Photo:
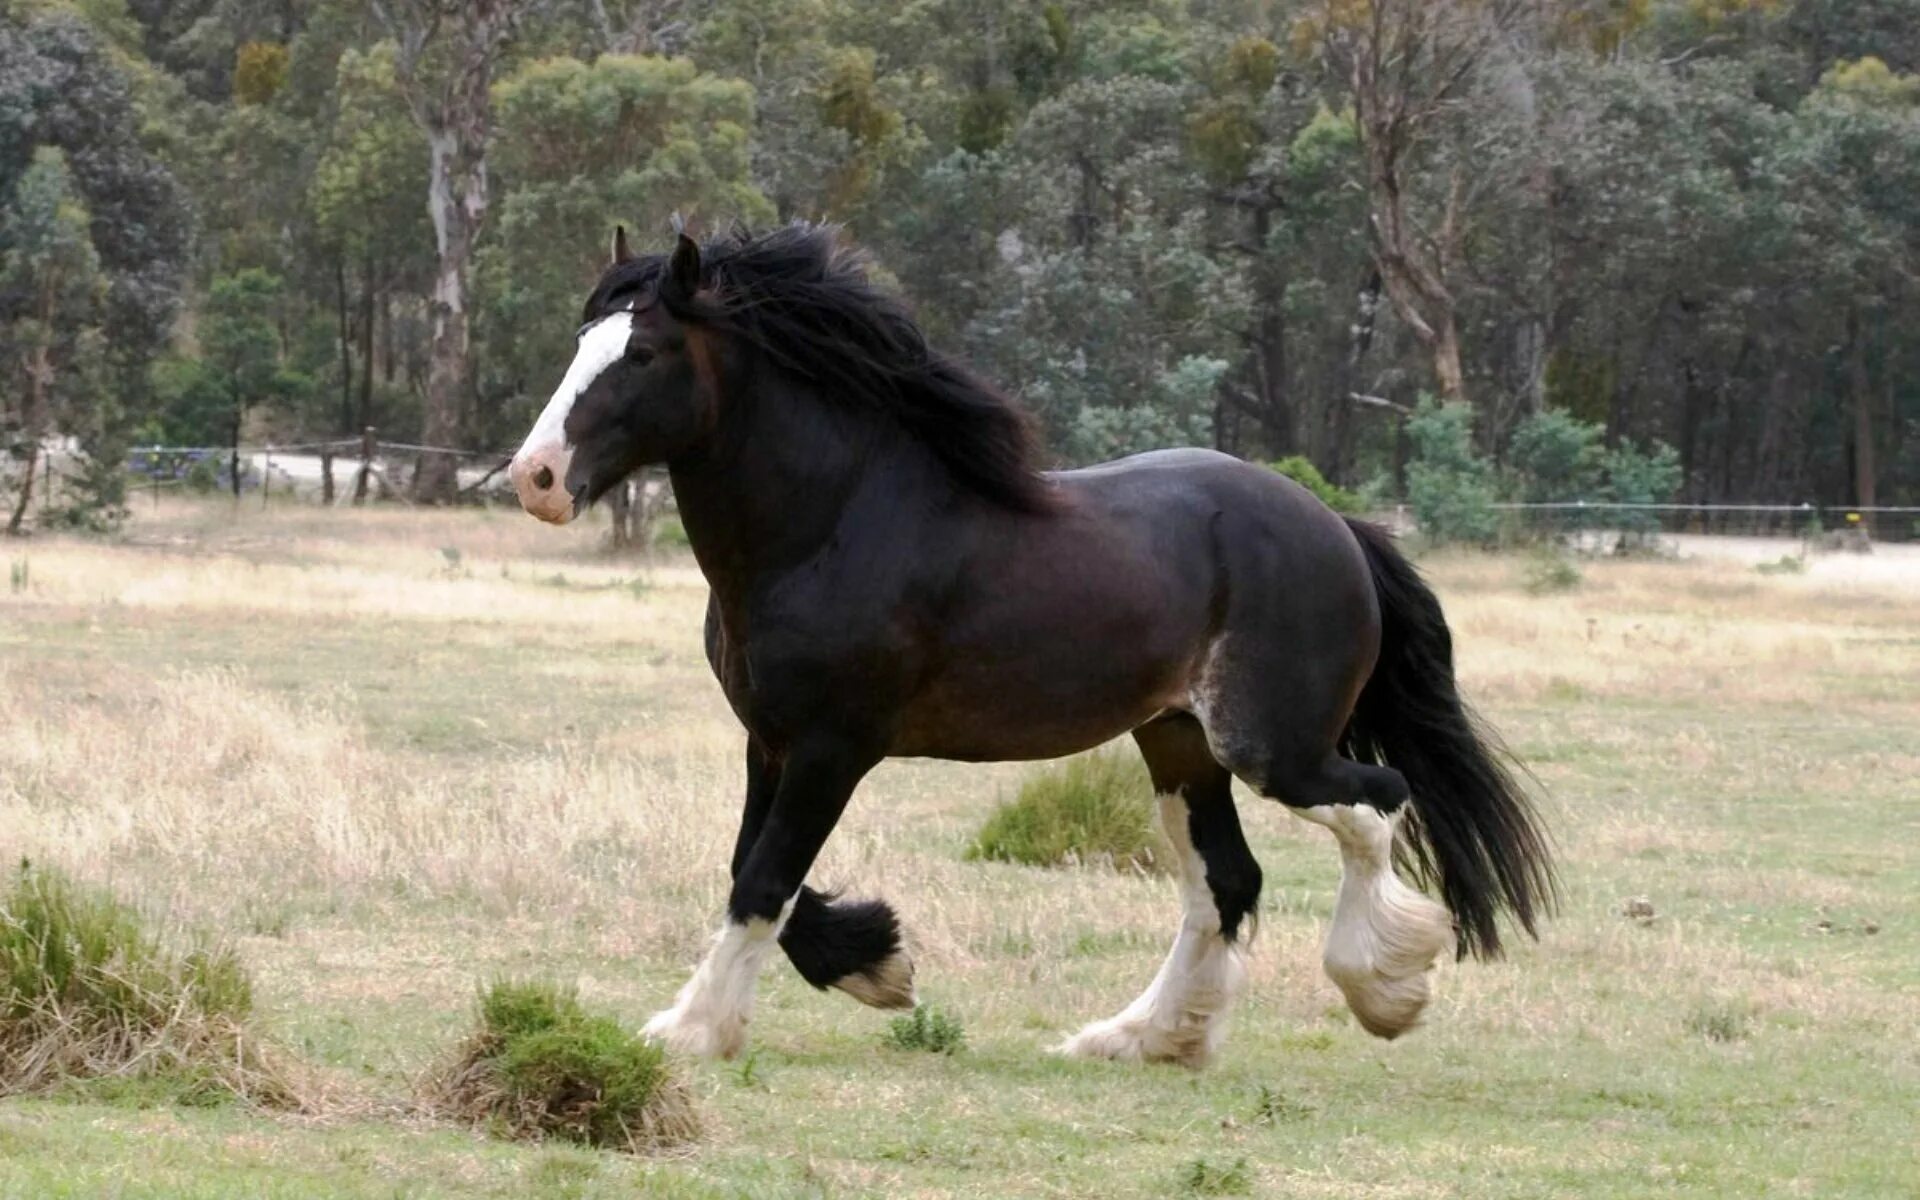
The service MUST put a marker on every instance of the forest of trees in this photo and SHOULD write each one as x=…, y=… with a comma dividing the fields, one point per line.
x=1603, y=227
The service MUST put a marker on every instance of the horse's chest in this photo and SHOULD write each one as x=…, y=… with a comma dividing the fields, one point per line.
x=784, y=677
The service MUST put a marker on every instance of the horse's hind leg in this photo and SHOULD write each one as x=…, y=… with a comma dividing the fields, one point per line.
x=1385, y=936
x=1182, y=1015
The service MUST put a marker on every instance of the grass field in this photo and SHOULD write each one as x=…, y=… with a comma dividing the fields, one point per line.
x=393, y=755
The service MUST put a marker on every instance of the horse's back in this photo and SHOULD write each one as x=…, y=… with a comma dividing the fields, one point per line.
x=1257, y=508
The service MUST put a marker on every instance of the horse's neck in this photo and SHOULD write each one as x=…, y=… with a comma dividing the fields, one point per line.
x=771, y=485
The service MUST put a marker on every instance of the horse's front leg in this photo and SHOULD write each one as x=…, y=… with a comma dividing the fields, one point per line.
x=808, y=790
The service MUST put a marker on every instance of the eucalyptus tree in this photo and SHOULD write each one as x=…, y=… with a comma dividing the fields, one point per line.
x=62, y=85
x=49, y=263
x=448, y=52
x=580, y=146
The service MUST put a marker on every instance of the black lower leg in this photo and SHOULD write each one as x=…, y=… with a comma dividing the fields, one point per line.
x=1179, y=761
x=815, y=782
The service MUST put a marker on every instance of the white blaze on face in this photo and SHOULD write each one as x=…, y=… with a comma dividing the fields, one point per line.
x=539, y=470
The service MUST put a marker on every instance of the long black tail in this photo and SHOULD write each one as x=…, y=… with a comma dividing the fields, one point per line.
x=1472, y=831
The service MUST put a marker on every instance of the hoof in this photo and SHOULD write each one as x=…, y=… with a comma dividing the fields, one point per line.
x=1133, y=1039
x=689, y=1034
x=1383, y=966
x=886, y=984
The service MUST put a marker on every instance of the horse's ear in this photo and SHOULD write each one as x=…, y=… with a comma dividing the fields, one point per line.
x=684, y=268
x=621, y=253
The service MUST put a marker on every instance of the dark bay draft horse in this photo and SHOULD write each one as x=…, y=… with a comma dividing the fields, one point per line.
x=892, y=574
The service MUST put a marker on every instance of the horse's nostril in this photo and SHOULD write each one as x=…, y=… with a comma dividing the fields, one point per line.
x=543, y=478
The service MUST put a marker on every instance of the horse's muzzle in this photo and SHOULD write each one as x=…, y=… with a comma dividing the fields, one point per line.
x=539, y=478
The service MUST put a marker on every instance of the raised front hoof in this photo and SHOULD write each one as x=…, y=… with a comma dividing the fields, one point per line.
x=1131, y=1039
x=886, y=984
x=694, y=1036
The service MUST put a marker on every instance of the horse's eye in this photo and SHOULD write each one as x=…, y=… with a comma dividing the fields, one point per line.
x=640, y=355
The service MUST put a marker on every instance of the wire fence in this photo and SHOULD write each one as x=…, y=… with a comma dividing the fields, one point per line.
x=1598, y=522
x=351, y=470
x=331, y=471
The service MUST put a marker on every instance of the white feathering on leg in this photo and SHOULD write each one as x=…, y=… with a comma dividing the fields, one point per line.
x=709, y=1017
x=1182, y=1016
x=1385, y=936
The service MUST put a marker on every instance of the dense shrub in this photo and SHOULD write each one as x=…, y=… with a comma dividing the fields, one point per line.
x=88, y=993
x=1301, y=470
x=1095, y=808
x=1449, y=487
x=1555, y=457
x=537, y=1065
x=1636, y=476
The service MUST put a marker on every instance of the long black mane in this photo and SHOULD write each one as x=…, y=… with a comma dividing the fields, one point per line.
x=806, y=301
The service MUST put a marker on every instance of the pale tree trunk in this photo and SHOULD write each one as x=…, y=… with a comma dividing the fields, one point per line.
x=1405, y=63
x=452, y=104
x=38, y=364
x=458, y=199
x=1414, y=275
x=39, y=368
x=1865, y=490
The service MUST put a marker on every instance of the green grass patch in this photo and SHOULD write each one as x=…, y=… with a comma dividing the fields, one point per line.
x=1719, y=1021
x=1203, y=1177
x=538, y=1066
x=1548, y=569
x=1097, y=808
x=93, y=1003
x=926, y=1029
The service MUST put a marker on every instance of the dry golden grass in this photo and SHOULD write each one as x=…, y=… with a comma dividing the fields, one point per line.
x=394, y=771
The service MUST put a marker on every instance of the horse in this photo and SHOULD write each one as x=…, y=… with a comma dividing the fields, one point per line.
x=892, y=573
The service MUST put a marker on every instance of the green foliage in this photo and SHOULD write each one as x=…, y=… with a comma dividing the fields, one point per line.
x=1094, y=205
x=1204, y=1177
x=259, y=72
x=1253, y=63
x=1274, y=1107
x=203, y=477
x=1450, y=487
x=1548, y=569
x=1556, y=457
x=925, y=1029
x=987, y=116
x=1097, y=808
x=1637, y=476
x=1225, y=138
x=538, y=1065
x=1301, y=470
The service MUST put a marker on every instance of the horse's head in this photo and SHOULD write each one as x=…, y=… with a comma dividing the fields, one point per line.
x=638, y=392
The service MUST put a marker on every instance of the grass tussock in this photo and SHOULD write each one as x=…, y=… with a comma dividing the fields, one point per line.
x=1097, y=808
x=926, y=1029
x=90, y=998
x=537, y=1066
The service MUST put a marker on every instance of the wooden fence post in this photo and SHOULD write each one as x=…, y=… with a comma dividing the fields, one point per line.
x=366, y=466
x=326, y=476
